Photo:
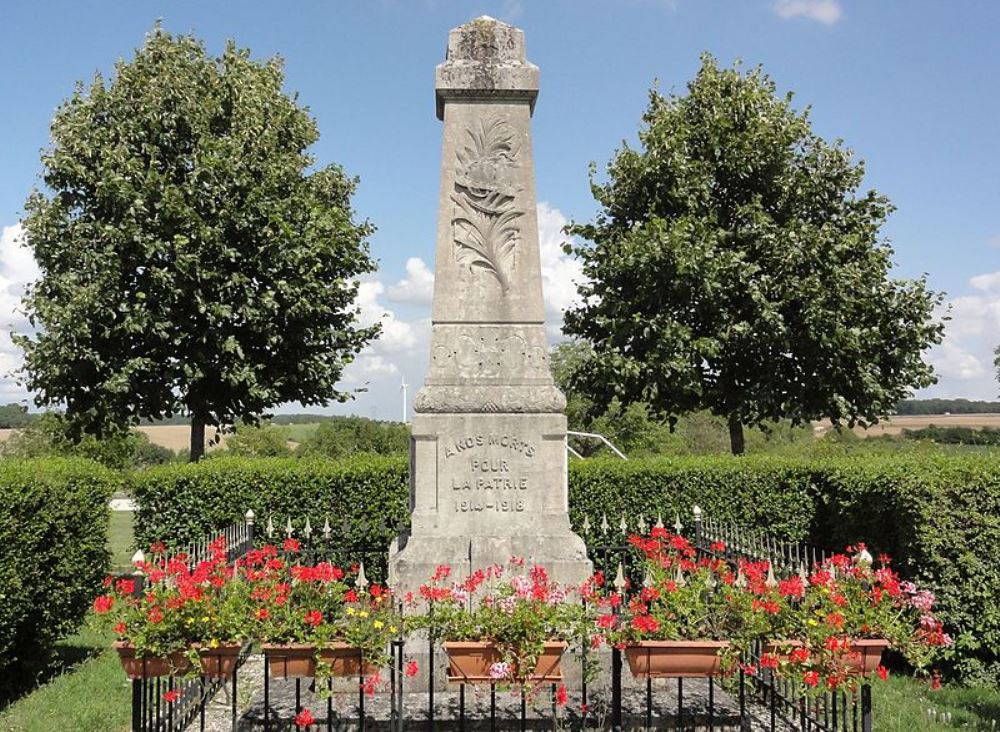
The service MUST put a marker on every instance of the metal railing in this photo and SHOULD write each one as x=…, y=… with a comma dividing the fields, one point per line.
x=738, y=702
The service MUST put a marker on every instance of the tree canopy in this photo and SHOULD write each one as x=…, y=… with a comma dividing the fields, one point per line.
x=734, y=266
x=193, y=259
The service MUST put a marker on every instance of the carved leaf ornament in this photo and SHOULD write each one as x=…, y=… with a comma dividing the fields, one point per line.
x=486, y=232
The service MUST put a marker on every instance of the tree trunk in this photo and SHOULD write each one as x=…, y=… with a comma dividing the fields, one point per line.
x=197, y=439
x=736, y=444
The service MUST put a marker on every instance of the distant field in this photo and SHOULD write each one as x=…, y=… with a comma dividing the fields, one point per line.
x=897, y=424
x=175, y=437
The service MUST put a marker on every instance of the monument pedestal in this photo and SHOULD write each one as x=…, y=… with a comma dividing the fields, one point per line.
x=483, y=489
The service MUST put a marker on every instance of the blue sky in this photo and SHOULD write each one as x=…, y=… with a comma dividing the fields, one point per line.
x=913, y=88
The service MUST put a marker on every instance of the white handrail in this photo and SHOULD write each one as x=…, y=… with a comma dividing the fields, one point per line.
x=595, y=436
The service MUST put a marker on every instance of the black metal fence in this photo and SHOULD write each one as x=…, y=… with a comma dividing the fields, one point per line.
x=616, y=701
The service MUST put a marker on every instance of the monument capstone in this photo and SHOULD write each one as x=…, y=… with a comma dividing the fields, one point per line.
x=488, y=446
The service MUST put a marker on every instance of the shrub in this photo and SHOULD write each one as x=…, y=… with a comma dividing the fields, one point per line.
x=48, y=436
x=344, y=436
x=937, y=515
x=264, y=440
x=364, y=497
x=53, y=555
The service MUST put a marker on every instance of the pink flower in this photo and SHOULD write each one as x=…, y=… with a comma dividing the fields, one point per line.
x=411, y=669
x=500, y=670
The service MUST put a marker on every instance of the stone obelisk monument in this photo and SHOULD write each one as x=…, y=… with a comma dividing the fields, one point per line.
x=488, y=447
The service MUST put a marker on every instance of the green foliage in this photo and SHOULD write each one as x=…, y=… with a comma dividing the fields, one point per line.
x=735, y=267
x=344, y=436
x=946, y=406
x=939, y=517
x=51, y=436
x=14, y=416
x=936, y=515
x=264, y=440
x=955, y=435
x=192, y=258
x=53, y=556
x=364, y=497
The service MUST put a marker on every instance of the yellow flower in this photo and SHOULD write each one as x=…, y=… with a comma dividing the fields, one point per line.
x=378, y=624
x=810, y=621
x=363, y=614
x=350, y=611
x=392, y=628
x=214, y=643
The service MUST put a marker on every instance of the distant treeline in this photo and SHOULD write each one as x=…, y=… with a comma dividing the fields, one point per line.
x=946, y=406
x=275, y=419
x=955, y=435
x=15, y=416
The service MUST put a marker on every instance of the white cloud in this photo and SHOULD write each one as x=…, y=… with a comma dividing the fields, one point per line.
x=989, y=281
x=417, y=288
x=964, y=361
x=827, y=12
x=560, y=272
x=17, y=269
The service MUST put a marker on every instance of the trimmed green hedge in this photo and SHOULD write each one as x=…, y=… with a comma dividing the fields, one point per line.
x=363, y=497
x=938, y=516
x=53, y=555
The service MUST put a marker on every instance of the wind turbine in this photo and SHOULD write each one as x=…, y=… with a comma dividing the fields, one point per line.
x=402, y=388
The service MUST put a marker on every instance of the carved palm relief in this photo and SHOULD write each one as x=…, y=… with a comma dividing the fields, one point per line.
x=486, y=232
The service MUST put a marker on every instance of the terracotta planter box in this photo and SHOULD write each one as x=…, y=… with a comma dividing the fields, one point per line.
x=291, y=660
x=299, y=661
x=673, y=659
x=148, y=667
x=782, y=649
x=219, y=662
x=865, y=655
x=470, y=661
x=345, y=660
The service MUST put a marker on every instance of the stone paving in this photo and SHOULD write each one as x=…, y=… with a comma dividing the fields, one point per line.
x=447, y=707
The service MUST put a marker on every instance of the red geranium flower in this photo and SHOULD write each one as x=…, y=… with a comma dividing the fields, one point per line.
x=314, y=618
x=171, y=696
x=561, y=695
x=103, y=604
x=810, y=678
x=411, y=669
x=292, y=545
x=304, y=718
x=883, y=672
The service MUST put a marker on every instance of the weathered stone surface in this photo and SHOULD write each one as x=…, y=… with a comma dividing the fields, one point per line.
x=488, y=451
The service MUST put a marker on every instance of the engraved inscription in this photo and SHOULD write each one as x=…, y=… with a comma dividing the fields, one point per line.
x=485, y=221
x=486, y=481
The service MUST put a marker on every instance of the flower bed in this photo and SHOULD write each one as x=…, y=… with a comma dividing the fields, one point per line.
x=185, y=620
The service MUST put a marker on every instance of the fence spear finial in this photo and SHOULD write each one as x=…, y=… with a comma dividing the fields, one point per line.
x=270, y=528
x=604, y=523
x=619, y=581
x=361, y=582
x=623, y=525
x=326, y=528
x=586, y=524
x=678, y=526
x=307, y=530
x=288, y=527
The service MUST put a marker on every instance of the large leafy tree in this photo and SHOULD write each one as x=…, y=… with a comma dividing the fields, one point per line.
x=193, y=260
x=734, y=266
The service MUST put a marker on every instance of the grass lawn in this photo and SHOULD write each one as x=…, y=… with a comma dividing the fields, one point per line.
x=299, y=432
x=87, y=691
x=908, y=705
x=121, y=540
